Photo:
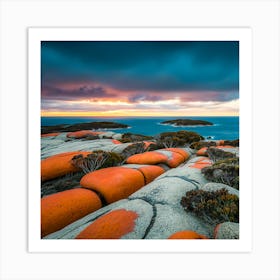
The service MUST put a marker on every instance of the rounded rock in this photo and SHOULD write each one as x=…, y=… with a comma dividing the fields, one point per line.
x=63, y=208
x=114, y=183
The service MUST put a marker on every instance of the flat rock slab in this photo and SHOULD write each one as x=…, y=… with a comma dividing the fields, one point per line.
x=192, y=175
x=54, y=146
x=166, y=191
x=169, y=220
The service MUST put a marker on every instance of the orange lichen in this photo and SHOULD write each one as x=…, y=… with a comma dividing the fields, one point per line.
x=114, y=141
x=220, y=142
x=147, y=158
x=187, y=234
x=50, y=134
x=216, y=230
x=147, y=144
x=182, y=152
x=59, y=165
x=175, y=160
x=113, y=225
x=83, y=133
x=151, y=172
x=63, y=208
x=114, y=183
x=225, y=146
x=201, y=163
x=202, y=151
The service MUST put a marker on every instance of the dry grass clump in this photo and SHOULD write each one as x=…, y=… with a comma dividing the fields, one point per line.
x=214, y=207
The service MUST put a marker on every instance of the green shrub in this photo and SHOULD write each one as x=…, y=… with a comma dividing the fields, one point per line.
x=213, y=207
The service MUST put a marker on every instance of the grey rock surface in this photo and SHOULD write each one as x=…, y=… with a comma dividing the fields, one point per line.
x=227, y=230
x=169, y=219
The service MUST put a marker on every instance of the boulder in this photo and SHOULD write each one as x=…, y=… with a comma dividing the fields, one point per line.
x=63, y=208
x=227, y=230
x=59, y=165
x=114, y=183
x=150, y=172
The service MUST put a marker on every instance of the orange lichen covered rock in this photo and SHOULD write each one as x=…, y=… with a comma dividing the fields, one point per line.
x=202, y=151
x=151, y=172
x=201, y=163
x=175, y=160
x=220, y=142
x=50, y=134
x=113, y=225
x=147, y=158
x=59, y=165
x=63, y=208
x=83, y=133
x=225, y=146
x=182, y=152
x=114, y=141
x=114, y=183
x=187, y=234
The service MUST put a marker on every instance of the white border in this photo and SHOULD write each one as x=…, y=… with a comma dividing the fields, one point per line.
x=243, y=35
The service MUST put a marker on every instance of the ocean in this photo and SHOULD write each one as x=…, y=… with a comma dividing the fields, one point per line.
x=226, y=128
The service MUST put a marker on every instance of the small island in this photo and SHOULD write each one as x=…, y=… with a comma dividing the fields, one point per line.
x=186, y=122
x=81, y=126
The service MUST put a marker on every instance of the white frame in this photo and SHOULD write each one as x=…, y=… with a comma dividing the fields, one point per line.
x=262, y=16
x=243, y=35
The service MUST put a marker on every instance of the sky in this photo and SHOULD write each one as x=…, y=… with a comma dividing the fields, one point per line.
x=139, y=78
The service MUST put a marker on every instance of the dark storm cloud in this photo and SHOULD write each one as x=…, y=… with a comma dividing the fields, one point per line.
x=144, y=66
x=82, y=92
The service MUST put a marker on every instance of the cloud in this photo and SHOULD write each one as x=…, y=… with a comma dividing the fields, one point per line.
x=148, y=66
x=80, y=92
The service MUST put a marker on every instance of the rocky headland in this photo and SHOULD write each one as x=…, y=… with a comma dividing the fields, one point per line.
x=81, y=126
x=186, y=122
x=106, y=185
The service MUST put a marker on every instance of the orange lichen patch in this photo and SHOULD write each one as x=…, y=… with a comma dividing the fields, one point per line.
x=114, y=141
x=201, y=163
x=114, y=183
x=202, y=151
x=59, y=165
x=151, y=172
x=83, y=133
x=50, y=134
x=175, y=160
x=113, y=225
x=147, y=158
x=187, y=234
x=179, y=151
x=226, y=146
x=63, y=208
x=216, y=230
x=147, y=144
x=220, y=142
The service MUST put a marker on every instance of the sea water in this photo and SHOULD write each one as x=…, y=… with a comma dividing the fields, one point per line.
x=226, y=128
